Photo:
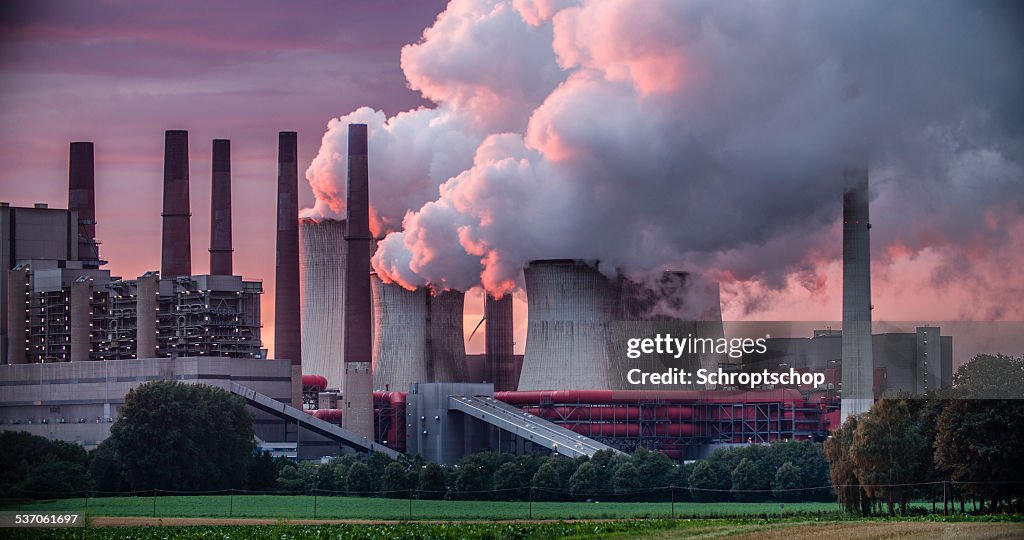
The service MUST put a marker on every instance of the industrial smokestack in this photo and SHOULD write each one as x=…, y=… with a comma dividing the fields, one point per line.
x=176, y=256
x=858, y=372
x=358, y=346
x=499, y=342
x=220, y=210
x=82, y=199
x=287, y=316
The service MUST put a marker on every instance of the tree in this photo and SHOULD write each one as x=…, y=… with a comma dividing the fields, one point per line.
x=357, y=481
x=750, y=476
x=585, y=482
x=652, y=467
x=787, y=478
x=22, y=461
x=288, y=479
x=842, y=471
x=979, y=441
x=988, y=376
x=393, y=482
x=885, y=450
x=56, y=479
x=432, y=481
x=511, y=482
x=471, y=482
x=706, y=483
x=184, y=437
x=547, y=486
x=626, y=481
x=679, y=477
x=377, y=462
x=106, y=471
x=262, y=472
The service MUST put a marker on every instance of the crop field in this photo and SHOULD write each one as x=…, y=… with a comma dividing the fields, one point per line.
x=789, y=528
x=367, y=508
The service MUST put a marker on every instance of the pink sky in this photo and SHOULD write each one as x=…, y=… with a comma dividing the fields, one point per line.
x=119, y=74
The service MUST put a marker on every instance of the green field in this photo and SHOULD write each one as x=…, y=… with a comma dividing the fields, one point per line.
x=302, y=506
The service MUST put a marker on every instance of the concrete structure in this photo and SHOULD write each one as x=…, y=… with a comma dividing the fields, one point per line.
x=82, y=200
x=147, y=295
x=287, y=315
x=220, y=210
x=322, y=279
x=905, y=363
x=176, y=254
x=500, y=342
x=358, y=344
x=579, y=322
x=79, y=401
x=449, y=420
x=41, y=236
x=417, y=336
x=858, y=395
x=570, y=307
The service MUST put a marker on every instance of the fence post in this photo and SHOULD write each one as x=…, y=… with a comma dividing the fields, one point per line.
x=154, y=502
x=945, y=512
x=231, y=502
x=410, y=504
x=87, y=499
x=314, y=503
x=531, y=502
x=673, y=501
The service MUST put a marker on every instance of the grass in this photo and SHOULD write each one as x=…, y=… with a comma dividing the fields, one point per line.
x=302, y=506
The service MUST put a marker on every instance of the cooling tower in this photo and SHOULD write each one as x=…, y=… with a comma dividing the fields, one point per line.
x=417, y=336
x=287, y=317
x=321, y=268
x=220, y=210
x=499, y=335
x=447, y=337
x=358, y=340
x=82, y=199
x=674, y=303
x=580, y=321
x=176, y=254
x=400, y=336
x=858, y=375
x=570, y=306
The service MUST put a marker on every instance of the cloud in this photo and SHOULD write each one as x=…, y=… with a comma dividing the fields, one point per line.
x=706, y=134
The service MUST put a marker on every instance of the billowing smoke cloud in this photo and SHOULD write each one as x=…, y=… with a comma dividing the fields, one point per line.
x=652, y=134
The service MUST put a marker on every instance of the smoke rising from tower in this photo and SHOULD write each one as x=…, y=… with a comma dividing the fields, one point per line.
x=669, y=137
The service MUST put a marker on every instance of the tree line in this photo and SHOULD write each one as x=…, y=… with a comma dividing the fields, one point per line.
x=964, y=444
x=780, y=471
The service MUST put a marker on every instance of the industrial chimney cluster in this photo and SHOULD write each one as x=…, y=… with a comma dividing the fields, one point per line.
x=61, y=306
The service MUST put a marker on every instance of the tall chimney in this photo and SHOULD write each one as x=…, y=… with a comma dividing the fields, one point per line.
x=358, y=343
x=176, y=257
x=858, y=368
x=220, y=210
x=287, y=316
x=499, y=343
x=82, y=199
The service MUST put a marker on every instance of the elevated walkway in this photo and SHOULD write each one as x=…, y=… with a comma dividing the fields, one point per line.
x=310, y=422
x=525, y=425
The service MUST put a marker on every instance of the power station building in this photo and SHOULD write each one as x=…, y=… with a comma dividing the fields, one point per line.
x=76, y=339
